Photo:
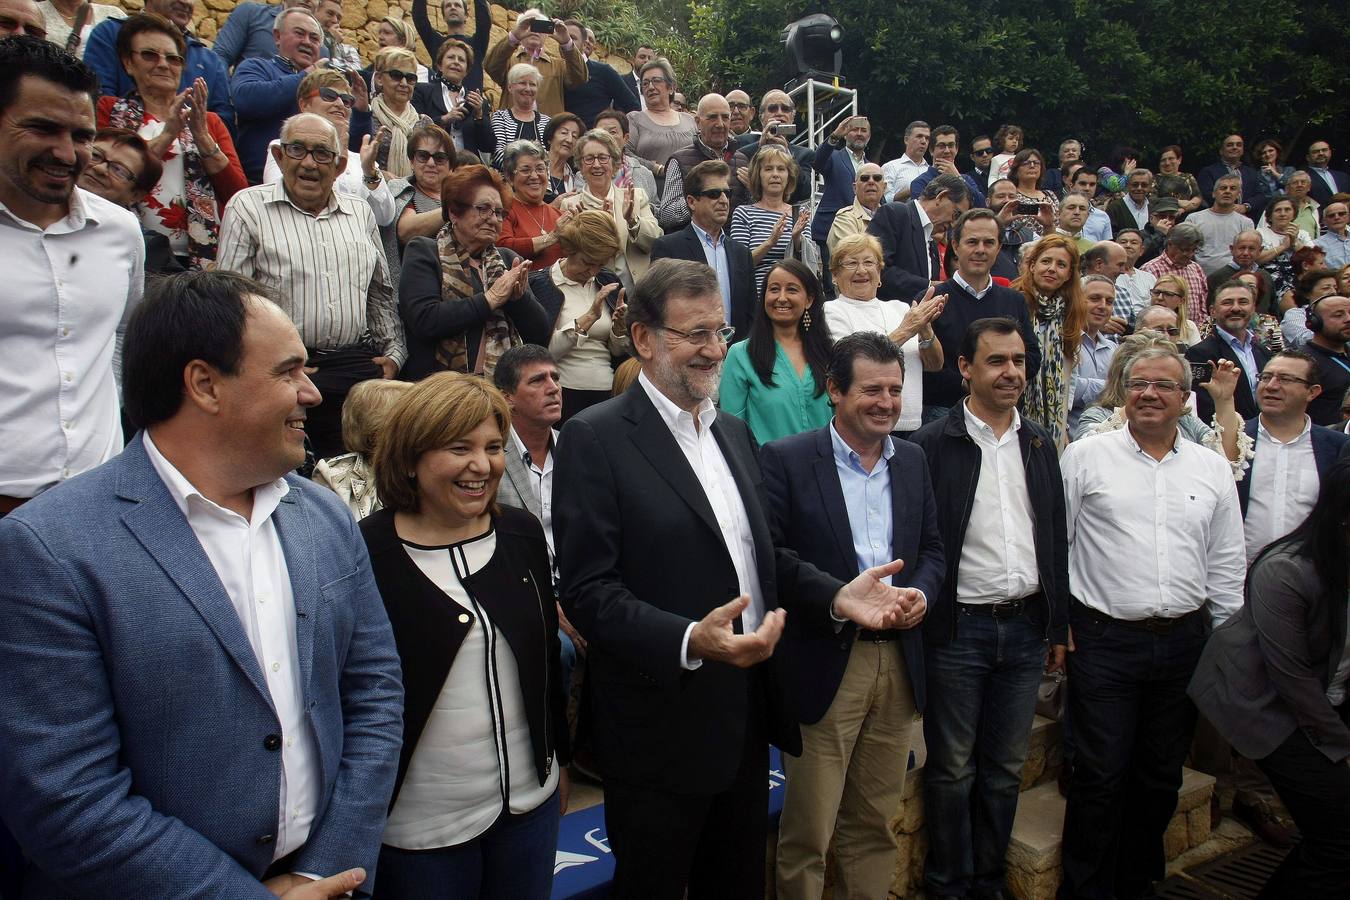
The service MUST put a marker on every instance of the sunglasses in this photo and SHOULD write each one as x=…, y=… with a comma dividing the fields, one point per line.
x=425, y=156
x=153, y=57
x=328, y=95
x=874, y=177
x=11, y=25
x=780, y=108
x=399, y=74
x=714, y=193
x=296, y=150
x=984, y=152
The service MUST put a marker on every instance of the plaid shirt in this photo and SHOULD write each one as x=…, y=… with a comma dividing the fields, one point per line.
x=1197, y=308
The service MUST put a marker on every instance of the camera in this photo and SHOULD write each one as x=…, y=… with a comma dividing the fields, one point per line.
x=541, y=26
x=1026, y=208
x=783, y=130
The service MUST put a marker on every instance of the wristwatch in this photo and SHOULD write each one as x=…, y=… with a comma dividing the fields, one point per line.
x=925, y=344
x=373, y=179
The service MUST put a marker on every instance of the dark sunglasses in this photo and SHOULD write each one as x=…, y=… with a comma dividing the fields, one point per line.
x=397, y=74
x=423, y=156
x=873, y=177
x=780, y=107
x=328, y=95
x=714, y=193
x=154, y=56
x=985, y=152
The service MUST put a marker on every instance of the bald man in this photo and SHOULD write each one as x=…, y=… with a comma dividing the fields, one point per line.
x=22, y=17
x=868, y=189
x=713, y=141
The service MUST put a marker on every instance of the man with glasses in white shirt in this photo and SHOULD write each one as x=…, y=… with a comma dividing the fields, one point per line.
x=1155, y=561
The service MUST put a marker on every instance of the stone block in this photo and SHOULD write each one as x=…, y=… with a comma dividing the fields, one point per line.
x=910, y=816
x=1196, y=789
x=1037, y=831
x=1176, y=839
x=1198, y=825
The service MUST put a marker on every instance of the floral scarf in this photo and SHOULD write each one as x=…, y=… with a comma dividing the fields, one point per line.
x=1046, y=401
x=499, y=332
x=398, y=164
x=203, y=218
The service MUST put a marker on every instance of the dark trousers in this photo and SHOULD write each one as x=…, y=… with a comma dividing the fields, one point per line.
x=715, y=844
x=338, y=372
x=1317, y=793
x=1132, y=724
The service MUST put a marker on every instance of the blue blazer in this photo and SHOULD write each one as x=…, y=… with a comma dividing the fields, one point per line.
x=1327, y=444
x=138, y=742
x=904, y=273
x=834, y=166
x=808, y=514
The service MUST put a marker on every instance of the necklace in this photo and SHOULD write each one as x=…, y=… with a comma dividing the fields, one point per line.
x=538, y=224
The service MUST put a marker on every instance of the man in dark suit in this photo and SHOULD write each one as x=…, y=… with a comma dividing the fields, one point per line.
x=704, y=240
x=1255, y=194
x=907, y=230
x=848, y=497
x=604, y=88
x=1326, y=181
x=644, y=54
x=670, y=573
x=1231, y=307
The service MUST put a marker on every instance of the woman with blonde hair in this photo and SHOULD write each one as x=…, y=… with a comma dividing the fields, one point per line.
x=596, y=156
x=481, y=781
x=585, y=305
x=1171, y=291
x=769, y=226
x=1049, y=281
x=395, y=75
x=352, y=476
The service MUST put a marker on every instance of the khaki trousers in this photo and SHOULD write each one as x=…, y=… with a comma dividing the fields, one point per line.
x=848, y=782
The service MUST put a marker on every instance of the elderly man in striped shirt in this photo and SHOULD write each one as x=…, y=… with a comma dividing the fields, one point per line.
x=320, y=254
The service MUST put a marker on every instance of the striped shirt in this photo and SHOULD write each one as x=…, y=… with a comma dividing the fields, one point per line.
x=1194, y=276
x=751, y=225
x=327, y=271
x=508, y=128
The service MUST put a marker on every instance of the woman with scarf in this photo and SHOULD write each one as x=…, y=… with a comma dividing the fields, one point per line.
x=461, y=112
x=596, y=156
x=464, y=300
x=201, y=170
x=1058, y=311
x=395, y=75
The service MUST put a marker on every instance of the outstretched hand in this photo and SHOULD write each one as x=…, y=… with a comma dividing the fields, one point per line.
x=872, y=603
x=714, y=637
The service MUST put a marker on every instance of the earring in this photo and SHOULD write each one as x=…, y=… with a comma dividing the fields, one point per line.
x=806, y=320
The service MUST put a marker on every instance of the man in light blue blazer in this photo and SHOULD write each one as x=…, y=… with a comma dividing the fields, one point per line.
x=199, y=692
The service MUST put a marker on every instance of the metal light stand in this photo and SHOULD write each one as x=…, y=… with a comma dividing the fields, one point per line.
x=828, y=102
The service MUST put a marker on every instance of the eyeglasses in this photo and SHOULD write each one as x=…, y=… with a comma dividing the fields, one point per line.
x=119, y=171
x=399, y=74
x=739, y=105
x=780, y=108
x=426, y=156
x=1267, y=377
x=984, y=151
x=702, y=337
x=328, y=95
x=1159, y=292
x=713, y=193
x=654, y=80
x=540, y=169
x=854, y=263
x=487, y=210
x=594, y=159
x=1139, y=385
x=11, y=25
x=297, y=151
x=154, y=56
x=873, y=177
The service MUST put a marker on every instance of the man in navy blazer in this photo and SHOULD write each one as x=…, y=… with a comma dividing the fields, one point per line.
x=1231, y=306
x=199, y=691
x=907, y=231
x=1326, y=181
x=1255, y=191
x=848, y=497
x=705, y=240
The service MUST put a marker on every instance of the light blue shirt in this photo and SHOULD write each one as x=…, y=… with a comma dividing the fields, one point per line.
x=1337, y=248
x=715, y=251
x=867, y=497
x=1098, y=225
x=1089, y=375
x=1243, y=348
x=965, y=285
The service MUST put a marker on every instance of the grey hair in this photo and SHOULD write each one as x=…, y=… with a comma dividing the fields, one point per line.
x=1113, y=392
x=280, y=22
x=1147, y=310
x=520, y=70
x=1229, y=176
x=1186, y=235
x=301, y=118
x=667, y=70
x=1091, y=279
x=531, y=13
x=1136, y=172
x=515, y=150
x=1159, y=352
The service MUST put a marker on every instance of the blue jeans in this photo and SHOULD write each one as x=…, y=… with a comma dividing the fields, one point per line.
x=1132, y=725
x=981, y=703
x=512, y=860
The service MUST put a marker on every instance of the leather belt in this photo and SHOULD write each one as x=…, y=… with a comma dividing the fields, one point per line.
x=1152, y=624
x=1003, y=609
x=879, y=637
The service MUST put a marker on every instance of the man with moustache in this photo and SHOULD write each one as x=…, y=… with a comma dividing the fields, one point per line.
x=868, y=188
x=670, y=571
x=1001, y=616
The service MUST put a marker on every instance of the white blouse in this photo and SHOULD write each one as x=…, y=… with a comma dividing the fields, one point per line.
x=583, y=357
x=846, y=316
x=475, y=754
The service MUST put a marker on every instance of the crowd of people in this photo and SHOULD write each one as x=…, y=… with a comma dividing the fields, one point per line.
x=367, y=427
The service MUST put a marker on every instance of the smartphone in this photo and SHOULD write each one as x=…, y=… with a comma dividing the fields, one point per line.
x=1201, y=372
x=782, y=130
x=1028, y=209
x=541, y=26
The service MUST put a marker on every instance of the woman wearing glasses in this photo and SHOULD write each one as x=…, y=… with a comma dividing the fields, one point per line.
x=531, y=227
x=655, y=133
x=329, y=93
x=1171, y=291
x=395, y=75
x=521, y=120
x=464, y=300
x=201, y=170
x=418, y=197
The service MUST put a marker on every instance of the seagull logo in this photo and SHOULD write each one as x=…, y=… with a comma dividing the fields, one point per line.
x=565, y=860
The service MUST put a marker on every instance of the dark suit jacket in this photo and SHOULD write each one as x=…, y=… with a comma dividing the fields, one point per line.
x=1327, y=444
x=1320, y=192
x=803, y=156
x=808, y=512
x=428, y=100
x=482, y=30
x=1264, y=673
x=1216, y=348
x=832, y=163
x=642, y=558
x=604, y=88
x=1121, y=217
x=904, y=275
x=686, y=244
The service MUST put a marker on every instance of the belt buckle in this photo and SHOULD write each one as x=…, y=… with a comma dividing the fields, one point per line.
x=1006, y=609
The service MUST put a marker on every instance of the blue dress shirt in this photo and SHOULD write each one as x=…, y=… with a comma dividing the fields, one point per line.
x=715, y=251
x=1243, y=349
x=867, y=496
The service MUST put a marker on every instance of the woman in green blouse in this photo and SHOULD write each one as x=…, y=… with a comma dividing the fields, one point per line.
x=775, y=381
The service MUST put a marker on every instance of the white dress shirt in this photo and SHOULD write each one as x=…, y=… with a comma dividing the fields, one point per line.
x=700, y=448
x=69, y=290
x=998, y=554
x=1132, y=293
x=1283, y=488
x=541, y=483
x=251, y=563
x=900, y=172
x=1150, y=538
x=927, y=224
